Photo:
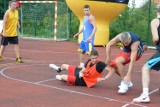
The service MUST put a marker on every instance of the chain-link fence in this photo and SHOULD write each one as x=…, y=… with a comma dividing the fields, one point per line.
x=38, y=20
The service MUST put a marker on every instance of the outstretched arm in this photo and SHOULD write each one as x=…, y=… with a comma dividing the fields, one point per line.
x=108, y=48
x=77, y=34
x=134, y=49
x=110, y=73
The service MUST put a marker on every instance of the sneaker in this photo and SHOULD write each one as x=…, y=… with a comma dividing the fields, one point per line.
x=123, y=88
x=88, y=53
x=142, y=99
x=58, y=77
x=130, y=84
x=55, y=67
x=1, y=58
x=19, y=60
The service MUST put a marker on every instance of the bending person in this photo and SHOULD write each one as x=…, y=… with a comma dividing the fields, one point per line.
x=132, y=51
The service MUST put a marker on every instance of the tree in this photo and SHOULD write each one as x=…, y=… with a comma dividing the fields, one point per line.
x=134, y=20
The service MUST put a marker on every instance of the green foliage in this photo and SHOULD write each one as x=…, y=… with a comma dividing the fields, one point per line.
x=135, y=20
x=74, y=25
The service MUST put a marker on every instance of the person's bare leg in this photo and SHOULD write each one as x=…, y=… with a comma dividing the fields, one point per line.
x=2, y=50
x=114, y=70
x=64, y=67
x=120, y=67
x=81, y=60
x=16, y=48
x=64, y=77
x=145, y=79
x=111, y=70
x=144, y=97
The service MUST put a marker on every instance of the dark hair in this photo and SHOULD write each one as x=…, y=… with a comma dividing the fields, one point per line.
x=94, y=53
x=86, y=6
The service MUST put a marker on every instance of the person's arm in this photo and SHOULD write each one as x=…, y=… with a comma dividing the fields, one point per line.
x=18, y=25
x=77, y=34
x=81, y=73
x=134, y=50
x=93, y=22
x=4, y=23
x=154, y=26
x=110, y=73
x=80, y=31
x=108, y=48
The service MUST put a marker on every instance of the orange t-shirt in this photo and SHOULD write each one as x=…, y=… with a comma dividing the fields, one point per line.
x=90, y=75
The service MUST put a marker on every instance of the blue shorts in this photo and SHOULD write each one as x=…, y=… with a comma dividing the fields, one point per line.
x=154, y=62
x=85, y=47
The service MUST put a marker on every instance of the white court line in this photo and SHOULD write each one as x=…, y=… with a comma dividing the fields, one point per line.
x=154, y=91
x=133, y=101
x=45, y=80
x=66, y=90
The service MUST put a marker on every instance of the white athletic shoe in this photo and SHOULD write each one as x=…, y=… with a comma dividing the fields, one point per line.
x=54, y=67
x=142, y=99
x=123, y=88
x=58, y=77
x=130, y=84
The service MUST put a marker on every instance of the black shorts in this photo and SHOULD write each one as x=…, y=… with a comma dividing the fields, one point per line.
x=154, y=61
x=79, y=81
x=11, y=40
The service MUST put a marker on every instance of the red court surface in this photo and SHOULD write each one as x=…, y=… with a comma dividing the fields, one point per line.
x=33, y=83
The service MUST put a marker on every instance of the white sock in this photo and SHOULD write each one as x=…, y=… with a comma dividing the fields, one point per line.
x=146, y=91
x=57, y=68
x=58, y=77
x=54, y=67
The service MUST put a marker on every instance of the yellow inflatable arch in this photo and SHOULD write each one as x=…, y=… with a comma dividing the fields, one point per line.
x=104, y=13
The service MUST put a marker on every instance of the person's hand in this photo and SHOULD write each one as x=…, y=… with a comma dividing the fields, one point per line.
x=127, y=79
x=18, y=26
x=80, y=74
x=89, y=39
x=100, y=79
x=75, y=36
x=3, y=34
